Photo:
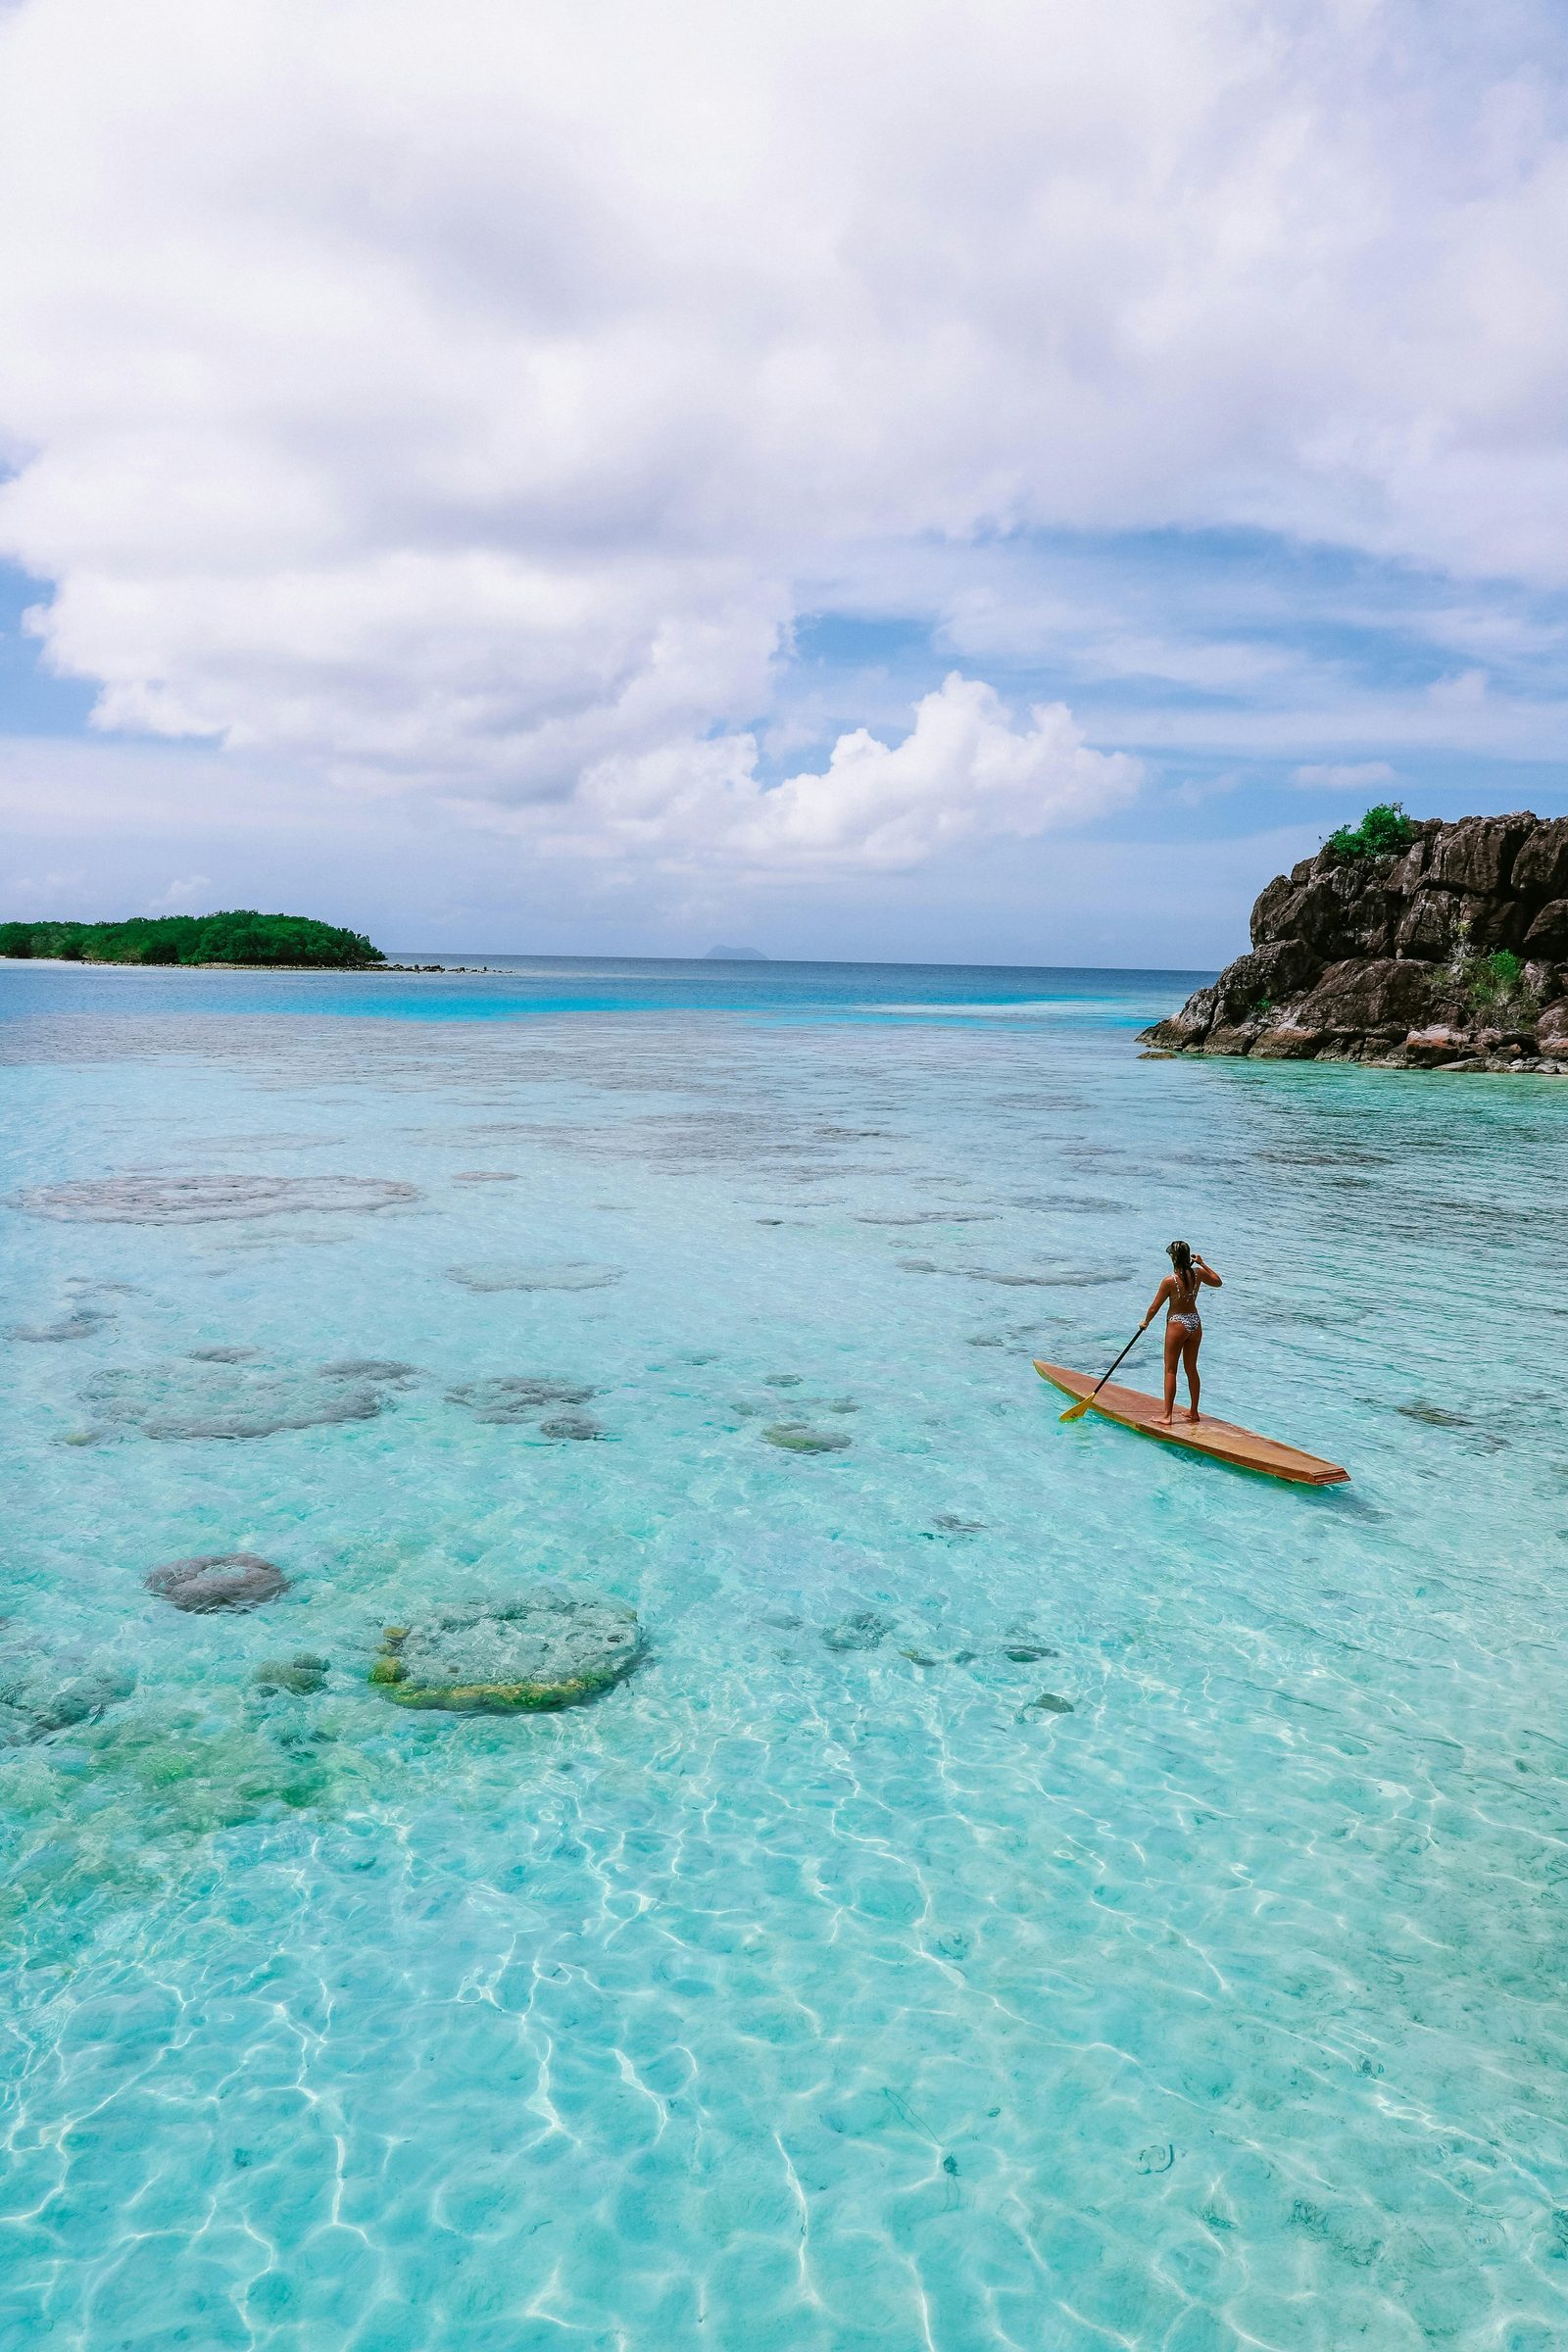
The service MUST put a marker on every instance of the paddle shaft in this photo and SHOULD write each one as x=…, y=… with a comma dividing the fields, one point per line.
x=1074, y=1410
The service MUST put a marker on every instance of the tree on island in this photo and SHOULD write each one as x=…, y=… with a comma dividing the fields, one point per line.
x=241, y=937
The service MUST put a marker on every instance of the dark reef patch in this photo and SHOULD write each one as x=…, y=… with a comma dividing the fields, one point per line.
x=300, y=1676
x=77, y=1326
x=795, y=1436
x=225, y=1400
x=931, y=1216
x=574, y=1275
x=510, y=1398
x=44, y=1690
x=864, y=1628
x=205, y=1199
x=579, y=1428
x=234, y=1581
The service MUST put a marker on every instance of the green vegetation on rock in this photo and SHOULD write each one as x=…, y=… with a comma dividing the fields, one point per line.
x=1496, y=981
x=1383, y=832
x=242, y=937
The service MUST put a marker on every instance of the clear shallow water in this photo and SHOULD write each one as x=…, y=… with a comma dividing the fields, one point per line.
x=797, y=1994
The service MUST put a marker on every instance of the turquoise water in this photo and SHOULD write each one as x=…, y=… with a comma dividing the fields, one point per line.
x=1166, y=1954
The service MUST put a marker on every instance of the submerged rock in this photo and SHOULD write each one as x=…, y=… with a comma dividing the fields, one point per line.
x=577, y=1275
x=510, y=1398
x=544, y=1650
x=1049, y=1702
x=301, y=1674
x=69, y=1327
x=578, y=1427
x=796, y=1437
x=223, y=1355
x=379, y=1368
x=43, y=1691
x=205, y=1199
x=217, y=1580
x=932, y=1216
x=861, y=1631
x=226, y=1400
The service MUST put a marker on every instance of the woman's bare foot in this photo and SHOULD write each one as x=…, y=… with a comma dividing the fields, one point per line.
x=1192, y=1413
x=1163, y=1420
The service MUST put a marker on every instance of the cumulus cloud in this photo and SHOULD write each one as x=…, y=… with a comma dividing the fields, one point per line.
x=178, y=897
x=461, y=402
x=963, y=773
x=1343, y=775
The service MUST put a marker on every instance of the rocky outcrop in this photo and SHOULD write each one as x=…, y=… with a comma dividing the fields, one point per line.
x=1451, y=952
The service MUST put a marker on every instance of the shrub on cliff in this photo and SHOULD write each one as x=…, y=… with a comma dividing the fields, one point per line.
x=1383, y=832
x=239, y=937
x=1495, y=982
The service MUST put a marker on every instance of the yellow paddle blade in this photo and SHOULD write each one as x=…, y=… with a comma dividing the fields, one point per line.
x=1075, y=1412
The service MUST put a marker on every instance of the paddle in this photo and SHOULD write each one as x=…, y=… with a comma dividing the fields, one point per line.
x=1076, y=1411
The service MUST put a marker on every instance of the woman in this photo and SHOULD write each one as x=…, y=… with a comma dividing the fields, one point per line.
x=1184, y=1325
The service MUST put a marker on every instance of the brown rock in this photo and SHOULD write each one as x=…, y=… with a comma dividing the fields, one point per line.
x=1389, y=995
x=1428, y=1047
x=1276, y=910
x=1551, y=1030
x=1230, y=1038
x=1408, y=869
x=1478, y=852
x=1344, y=912
x=1428, y=926
x=1540, y=869
x=1184, y=1029
x=1270, y=974
x=1288, y=1043
x=1548, y=935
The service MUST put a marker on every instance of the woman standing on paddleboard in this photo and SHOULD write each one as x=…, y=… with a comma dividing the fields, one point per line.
x=1184, y=1325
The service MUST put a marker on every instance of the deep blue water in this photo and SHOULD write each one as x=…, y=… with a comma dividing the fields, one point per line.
x=510, y=986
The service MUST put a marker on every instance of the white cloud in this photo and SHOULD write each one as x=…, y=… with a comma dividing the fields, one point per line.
x=453, y=402
x=964, y=773
x=1344, y=775
x=179, y=893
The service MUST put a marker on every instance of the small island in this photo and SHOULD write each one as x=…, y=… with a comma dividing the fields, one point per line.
x=1404, y=943
x=735, y=956
x=242, y=937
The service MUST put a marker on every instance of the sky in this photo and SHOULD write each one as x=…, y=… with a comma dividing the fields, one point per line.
x=985, y=483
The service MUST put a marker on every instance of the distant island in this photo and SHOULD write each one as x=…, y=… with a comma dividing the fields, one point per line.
x=1412, y=945
x=735, y=956
x=241, y=937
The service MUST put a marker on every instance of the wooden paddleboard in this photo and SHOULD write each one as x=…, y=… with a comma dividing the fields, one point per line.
x=1221, y=1440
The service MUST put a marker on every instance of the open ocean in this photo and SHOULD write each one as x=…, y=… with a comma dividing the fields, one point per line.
x=1036, y=1890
